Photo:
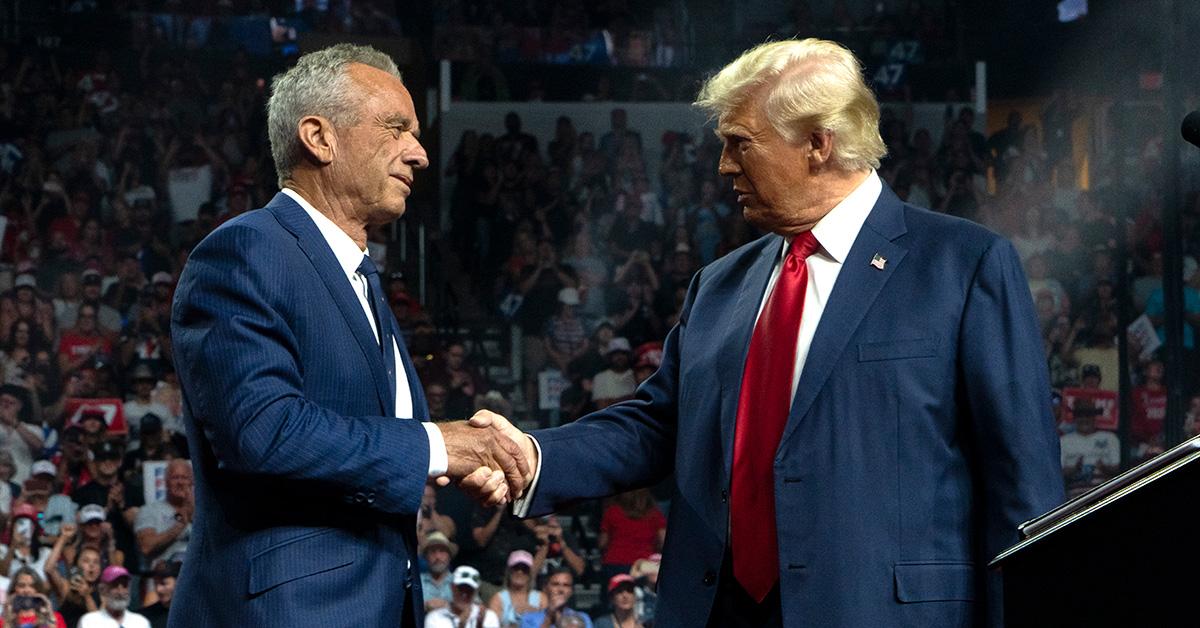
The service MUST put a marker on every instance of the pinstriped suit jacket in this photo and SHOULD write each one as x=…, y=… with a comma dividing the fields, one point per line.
x=306, y=486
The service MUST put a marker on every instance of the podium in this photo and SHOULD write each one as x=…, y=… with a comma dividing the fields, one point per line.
x=1118, y=555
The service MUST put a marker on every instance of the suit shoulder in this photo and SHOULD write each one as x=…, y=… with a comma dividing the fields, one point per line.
x=969, y=238
x=253, y=229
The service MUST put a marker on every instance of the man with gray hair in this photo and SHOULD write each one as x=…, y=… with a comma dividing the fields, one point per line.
x=855, y=406
x=114, y=598
x=304, y=414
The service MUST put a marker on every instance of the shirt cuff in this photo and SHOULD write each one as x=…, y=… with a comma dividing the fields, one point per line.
x=521, y=506
x=439, y=460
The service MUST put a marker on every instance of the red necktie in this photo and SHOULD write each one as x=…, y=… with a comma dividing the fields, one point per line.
x=763, y=406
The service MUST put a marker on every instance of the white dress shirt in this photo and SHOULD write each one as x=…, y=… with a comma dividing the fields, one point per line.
x=349, y=256
x=835, y=233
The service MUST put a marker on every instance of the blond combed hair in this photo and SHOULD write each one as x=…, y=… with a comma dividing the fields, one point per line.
x=811, y=85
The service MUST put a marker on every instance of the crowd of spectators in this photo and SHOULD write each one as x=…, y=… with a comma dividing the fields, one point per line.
x=610, y=32
x=112, y=168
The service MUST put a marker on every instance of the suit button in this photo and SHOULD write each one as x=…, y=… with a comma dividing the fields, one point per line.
x=349, y=499
x=359, y=497
x=371, y=497
x=724, y=496
x=710, y=578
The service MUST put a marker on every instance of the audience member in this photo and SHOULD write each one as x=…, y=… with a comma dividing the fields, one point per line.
x=24, y=547
x=616, y=382
x=560, y=587
x=436, y=580
x=19, y=436
x=556, y=548
x=518, y=595
x=645, y=575
x=114, y=592
x=163, y=576
x=28, y=603
x=430, y=519
x=1149, y=411
x=622, y=600
x=1089, y=456
x=78, y=593
x=464, y=608
x=163, y=528
x=631, y=529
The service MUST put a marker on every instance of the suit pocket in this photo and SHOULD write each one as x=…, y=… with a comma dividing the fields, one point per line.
x=897, y=349
x=297, y=558
x=935, y=582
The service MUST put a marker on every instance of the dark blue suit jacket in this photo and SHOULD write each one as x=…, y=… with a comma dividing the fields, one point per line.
x=919, y=437
x=306, y=484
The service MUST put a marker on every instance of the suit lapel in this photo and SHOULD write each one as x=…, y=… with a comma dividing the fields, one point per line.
x=745, y=312
x=858, y=285
x=294, y=219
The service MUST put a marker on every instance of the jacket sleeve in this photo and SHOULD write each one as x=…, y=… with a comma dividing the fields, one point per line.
x=1007, y=390
x=239, y=367
x=627, y=445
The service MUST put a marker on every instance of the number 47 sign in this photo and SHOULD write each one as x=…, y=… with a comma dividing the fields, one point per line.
x=889, y=76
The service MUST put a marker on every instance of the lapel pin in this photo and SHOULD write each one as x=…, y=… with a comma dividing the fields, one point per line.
x=878, y=261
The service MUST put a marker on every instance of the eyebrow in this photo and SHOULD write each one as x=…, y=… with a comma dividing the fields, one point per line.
x=731, y=131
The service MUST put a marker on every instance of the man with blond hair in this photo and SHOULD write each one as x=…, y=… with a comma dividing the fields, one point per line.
x=886, y=424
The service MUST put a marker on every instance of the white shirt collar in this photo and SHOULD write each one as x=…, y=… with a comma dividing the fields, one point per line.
x=348, y=255
x=839, y=228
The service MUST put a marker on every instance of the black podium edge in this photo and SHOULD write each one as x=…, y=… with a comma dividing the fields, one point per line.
x=1081, y=506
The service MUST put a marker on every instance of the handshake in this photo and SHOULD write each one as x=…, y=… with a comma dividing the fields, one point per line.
x=489, y=458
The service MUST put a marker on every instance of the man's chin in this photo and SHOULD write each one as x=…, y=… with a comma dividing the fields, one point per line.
x=758, y=218
x=391, y=213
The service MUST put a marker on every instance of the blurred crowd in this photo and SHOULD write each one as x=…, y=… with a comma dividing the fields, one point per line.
x=111, y=169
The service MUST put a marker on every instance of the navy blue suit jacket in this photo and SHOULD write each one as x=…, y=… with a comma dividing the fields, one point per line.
x=306, y=484
x=919, y=437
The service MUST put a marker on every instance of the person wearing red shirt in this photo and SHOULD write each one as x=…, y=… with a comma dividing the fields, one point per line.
x=1149, y=410
x=83, y=342
x=631, y=528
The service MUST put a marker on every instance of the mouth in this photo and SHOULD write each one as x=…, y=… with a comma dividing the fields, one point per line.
x=406, y=180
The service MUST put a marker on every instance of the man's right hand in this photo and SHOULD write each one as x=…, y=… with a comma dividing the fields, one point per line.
x=487, y=418
x=486, y=460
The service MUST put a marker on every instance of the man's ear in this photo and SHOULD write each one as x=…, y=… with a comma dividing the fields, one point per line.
x=318, y=138
x=821, y=148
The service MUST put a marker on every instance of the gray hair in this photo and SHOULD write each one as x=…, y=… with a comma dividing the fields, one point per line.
x=318, y=85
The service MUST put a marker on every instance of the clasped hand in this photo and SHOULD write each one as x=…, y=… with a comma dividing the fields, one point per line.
x=489, y=458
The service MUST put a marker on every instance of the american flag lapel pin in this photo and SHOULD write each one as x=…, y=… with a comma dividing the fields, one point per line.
x=878, y=261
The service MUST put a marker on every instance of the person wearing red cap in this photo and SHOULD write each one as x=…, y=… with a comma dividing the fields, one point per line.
x=622, y=596
x=115, y=613
x=24, y=550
